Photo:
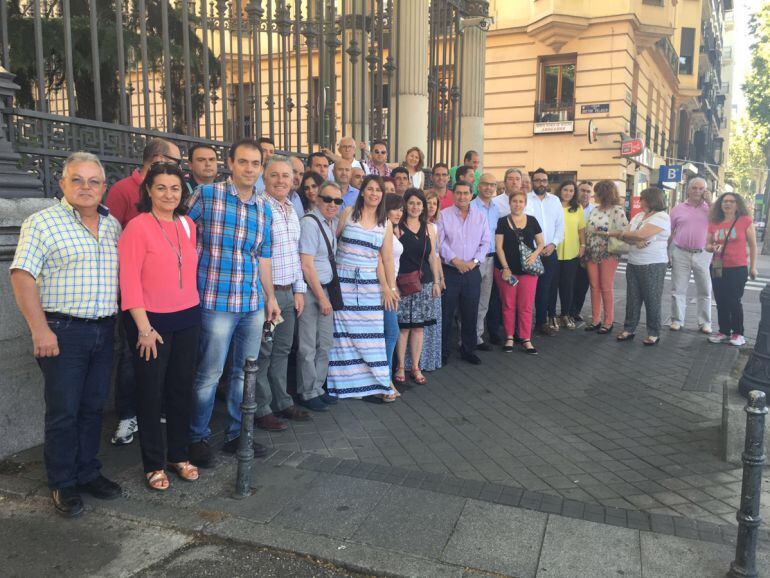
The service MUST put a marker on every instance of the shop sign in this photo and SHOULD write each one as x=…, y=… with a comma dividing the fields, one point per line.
x=595, y=108
x=554, y=127
x=631, y=147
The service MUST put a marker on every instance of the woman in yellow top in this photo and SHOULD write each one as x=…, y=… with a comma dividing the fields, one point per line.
x=569, y=251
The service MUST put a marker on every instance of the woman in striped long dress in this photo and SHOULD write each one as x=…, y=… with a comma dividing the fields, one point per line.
x=358, y=364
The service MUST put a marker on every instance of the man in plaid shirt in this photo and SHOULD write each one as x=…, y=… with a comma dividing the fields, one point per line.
x=65, y=280
x=234, y=271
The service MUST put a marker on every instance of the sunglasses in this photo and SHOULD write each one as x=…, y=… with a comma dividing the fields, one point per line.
x=327, y=199
x=165, y=165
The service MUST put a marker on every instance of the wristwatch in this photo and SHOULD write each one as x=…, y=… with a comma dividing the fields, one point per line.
x=477, y=261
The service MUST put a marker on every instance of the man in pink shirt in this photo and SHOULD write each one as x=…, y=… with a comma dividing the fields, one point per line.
x=687, y=243
x=440, y=185
x=123, y=196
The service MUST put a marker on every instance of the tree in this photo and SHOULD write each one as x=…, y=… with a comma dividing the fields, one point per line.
x=22, y=54
x=757, y=90
x=747, y=157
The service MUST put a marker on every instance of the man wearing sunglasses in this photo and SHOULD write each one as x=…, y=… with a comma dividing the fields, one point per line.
x=316, y=324
x=377, y=163
x=121, y=200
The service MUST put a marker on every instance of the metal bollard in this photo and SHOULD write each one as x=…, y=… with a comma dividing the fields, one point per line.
x=756, y=374
x=245, y=453
x=745, y=563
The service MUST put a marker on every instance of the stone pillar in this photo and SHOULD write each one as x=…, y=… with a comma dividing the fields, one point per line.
x=472, y=79
x=21, y=383
x=410, y=114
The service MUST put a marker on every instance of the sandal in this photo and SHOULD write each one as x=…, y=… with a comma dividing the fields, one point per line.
x=531, y=349
x=185, y=470
x=625, y=336
x=604, y=330
x=400, y=375
x=508, y=347
x=418, y=379
x=592, y=327
x=388, y=398
x=157, y=480
x=650, y=340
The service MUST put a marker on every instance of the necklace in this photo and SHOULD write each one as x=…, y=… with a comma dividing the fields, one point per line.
x=177, y=252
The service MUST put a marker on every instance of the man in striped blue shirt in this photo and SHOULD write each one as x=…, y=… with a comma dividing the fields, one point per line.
x=234, y=271
x=65, y=280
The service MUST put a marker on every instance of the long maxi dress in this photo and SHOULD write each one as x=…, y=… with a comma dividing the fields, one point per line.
x=358, y=364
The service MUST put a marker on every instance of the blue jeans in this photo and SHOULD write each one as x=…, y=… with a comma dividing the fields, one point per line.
x=218, y=330
x=391, y=336
x=76, y=385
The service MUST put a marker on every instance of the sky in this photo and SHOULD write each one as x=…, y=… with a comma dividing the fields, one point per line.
x=741, y=53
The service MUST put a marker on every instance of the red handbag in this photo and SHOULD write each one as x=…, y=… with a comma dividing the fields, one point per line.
x=411, y=283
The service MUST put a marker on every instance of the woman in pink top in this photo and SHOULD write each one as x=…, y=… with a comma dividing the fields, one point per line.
x=158, y=268
x=730, y=231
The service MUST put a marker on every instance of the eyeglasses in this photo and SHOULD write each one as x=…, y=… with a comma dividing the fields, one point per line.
x=174, y=160
x=86, y=184
x=378, y=152
x=539, y=180
x=165, y=165
x=327, y=199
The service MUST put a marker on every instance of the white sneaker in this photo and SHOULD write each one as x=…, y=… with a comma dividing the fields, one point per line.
x=718, y=338
x=676, y=326
x=124, y=433
x=705, y=329
x=737, y=339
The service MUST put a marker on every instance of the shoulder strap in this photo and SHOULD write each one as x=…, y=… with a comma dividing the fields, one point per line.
x=727, y=238
x=185, y=226
x=323, y=233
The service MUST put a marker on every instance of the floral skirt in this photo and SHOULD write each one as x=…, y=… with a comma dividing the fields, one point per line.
x=418, y=309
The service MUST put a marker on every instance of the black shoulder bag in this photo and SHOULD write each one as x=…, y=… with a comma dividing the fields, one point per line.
x=332, y=287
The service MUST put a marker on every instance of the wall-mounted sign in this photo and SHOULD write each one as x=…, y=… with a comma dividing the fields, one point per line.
x=554, y=127
x=631, y=147
x=595, y=108
x=670, y=175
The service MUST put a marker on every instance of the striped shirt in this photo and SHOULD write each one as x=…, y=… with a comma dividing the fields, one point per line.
x=232, y=236
x=76, y=273
x=287, y=269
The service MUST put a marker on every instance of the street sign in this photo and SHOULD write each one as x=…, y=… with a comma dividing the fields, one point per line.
x=595, y=108
x=631, y=147
x=670, y=174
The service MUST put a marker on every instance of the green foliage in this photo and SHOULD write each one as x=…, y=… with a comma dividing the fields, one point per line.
x=747, y=156
x=757, y=84
x=22, y=53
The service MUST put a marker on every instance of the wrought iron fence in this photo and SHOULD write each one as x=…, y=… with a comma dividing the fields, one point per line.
x=103, y=75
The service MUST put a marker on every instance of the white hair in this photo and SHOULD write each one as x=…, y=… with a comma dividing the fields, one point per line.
x=82, y=157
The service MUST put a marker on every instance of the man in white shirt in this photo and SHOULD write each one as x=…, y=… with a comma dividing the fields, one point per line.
x=547, y=209
x=347, y=150
x=483, y=202
x=512, y=183
x=585, y=191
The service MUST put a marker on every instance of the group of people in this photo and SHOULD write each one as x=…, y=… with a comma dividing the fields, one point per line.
x=357, y=267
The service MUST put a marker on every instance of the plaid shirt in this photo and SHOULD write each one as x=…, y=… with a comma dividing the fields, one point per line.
x=370, y=169
x=232, y=236
x=287, y=269
x=76, y=273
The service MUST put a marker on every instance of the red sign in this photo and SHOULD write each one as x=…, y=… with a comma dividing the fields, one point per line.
x=636, y=206
x=631, y=148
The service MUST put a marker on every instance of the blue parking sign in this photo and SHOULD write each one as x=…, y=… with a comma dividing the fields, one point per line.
x=670, y=174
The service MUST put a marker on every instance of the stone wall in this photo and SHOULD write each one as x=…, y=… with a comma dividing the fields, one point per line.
x=21, y=383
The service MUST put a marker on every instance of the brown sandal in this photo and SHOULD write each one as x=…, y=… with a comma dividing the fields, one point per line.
x=185, y=470
x=157, y=480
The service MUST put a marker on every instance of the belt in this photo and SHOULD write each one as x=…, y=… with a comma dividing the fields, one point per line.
x=63, y=317
x=490, y=255
x=283, y=287
x=689, y=250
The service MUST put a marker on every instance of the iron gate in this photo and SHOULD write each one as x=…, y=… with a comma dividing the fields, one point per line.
x=104, y=75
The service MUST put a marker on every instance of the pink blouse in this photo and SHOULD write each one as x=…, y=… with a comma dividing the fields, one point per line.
x=149, y=266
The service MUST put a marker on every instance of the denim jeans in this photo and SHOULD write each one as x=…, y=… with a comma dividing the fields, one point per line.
x=391, y=336
x=218, y=330
x=76, y=385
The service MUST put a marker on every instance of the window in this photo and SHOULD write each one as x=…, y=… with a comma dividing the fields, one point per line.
x=686, y=51
x=556, y=94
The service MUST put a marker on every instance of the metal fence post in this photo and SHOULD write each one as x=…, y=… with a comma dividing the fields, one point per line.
x=745, y=563
x=245, y=453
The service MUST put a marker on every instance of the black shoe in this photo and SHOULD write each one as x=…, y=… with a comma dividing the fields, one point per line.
x=484, y=347
x=315, y=404
x=232, y=446
x=201, y=454
x=471, y=358
x=528, y=350
x=592, y=327
x=495, y=339
x=577, y=318
x=328, y=399
x=101, y=488
x=67, y=502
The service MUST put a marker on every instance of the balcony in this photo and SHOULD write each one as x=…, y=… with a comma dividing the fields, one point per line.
x=554, y=117
x=670, y=54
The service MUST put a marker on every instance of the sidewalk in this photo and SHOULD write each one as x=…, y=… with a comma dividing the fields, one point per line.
x=374, y=520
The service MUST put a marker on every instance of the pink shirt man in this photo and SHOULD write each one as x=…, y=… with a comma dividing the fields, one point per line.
x=689, y=225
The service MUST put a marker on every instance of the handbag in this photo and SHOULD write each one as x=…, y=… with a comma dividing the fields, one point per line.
x=534, y=268
x=716, y=263
x=617, y=247
x=332, y=287
x=411, y=283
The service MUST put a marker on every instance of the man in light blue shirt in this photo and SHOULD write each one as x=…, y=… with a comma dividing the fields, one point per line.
x=547, y=209
x=483, y=202
x=343, y=169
